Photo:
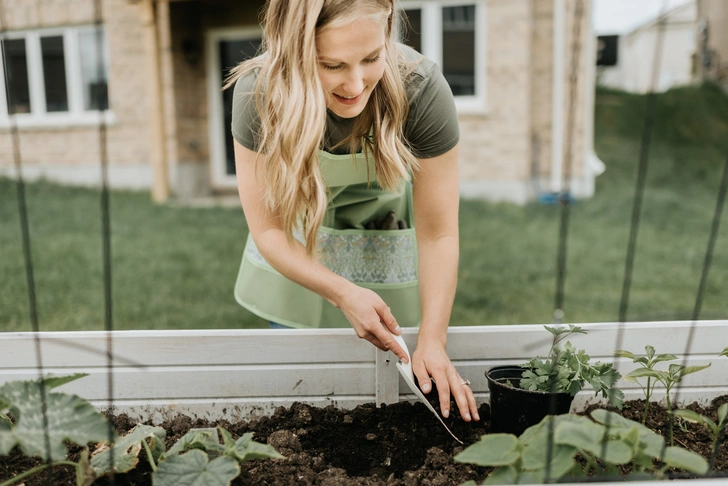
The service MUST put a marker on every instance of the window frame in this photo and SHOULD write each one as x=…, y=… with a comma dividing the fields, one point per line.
x=39, y=117
x=219, y=177
x=432, y=45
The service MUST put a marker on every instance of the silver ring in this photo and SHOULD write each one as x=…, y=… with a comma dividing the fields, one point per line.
x=465, y=382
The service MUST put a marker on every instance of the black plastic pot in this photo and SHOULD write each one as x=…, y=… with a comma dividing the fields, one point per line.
x=513, y=409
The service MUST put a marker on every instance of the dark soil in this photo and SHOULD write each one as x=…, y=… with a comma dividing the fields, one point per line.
x=400, y=444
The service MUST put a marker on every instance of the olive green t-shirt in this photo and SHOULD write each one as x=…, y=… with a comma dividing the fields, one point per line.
x=431, y=128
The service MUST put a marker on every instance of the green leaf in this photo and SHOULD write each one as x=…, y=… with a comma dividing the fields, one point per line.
x=532, y=477
x=535, y=453
x=646, y=372
x=624, y=354
x=664, y=357
x=724, y=352
x=652, y=442
x=643, y=361
x=650, y=351
x=689, y=415
x=693, y=369
x=194, y=469
x=685, y=459
x=722, y=413
x=56, y=381
x=245, y=449
x=127, y=449
x=615, y=397
x=589, y=437
x=492, y=450
x=502, y=475
x=556, y=330
x=204, y=438
x=69, y=418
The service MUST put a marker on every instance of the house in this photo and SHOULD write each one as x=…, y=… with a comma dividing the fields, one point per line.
x=155, y=68
x=712, y=58
x=636, y=59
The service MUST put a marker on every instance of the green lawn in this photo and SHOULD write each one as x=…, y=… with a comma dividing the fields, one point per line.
x=174, y=267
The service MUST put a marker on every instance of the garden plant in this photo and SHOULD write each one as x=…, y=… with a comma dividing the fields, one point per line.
x=573, y=446
x=568, y=370
x=669, y=378
x=40, y=422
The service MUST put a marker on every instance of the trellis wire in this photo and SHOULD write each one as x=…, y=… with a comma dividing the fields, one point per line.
x=105, y=222
x=27, y=253
x=565, y=200
x=645, y=145
x=564, y=197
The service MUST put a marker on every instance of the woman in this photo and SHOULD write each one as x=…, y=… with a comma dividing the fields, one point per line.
x=336, y=129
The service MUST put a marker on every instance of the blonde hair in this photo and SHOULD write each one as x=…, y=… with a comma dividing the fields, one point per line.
x=292, y=108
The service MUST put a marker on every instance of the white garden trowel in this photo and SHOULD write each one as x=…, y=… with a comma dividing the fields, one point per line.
x=406, y=371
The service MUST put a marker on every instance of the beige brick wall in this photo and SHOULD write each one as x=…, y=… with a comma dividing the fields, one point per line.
x=495, y=145
x=128, y=141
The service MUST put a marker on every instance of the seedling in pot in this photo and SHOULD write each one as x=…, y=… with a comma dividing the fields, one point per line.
x=568, y=370
x=647, y=362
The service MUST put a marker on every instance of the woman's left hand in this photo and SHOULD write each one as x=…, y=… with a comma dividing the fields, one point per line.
x=430, y=360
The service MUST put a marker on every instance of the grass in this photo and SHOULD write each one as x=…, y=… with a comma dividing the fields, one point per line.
x=174, y=267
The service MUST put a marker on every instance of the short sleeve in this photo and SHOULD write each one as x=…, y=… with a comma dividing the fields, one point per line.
x=432, y=126
x=245, y=119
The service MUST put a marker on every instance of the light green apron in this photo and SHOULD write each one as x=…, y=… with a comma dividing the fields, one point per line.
x=384, y=261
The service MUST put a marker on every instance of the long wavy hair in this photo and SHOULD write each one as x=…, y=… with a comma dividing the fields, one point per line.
x=292, y=107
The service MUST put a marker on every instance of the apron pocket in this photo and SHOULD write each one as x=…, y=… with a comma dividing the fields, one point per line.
x=385, y=257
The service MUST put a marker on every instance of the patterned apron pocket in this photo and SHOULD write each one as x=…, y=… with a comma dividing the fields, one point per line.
x=370, y=256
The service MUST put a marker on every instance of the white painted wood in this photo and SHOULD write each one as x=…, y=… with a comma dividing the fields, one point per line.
x=35, y=74
x=237, y=374
x=387, y=382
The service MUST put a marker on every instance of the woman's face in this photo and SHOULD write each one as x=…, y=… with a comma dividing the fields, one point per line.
x=350, y=64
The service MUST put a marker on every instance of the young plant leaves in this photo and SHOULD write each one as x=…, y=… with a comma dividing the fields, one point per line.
x=245, y=448
x=127, y=449
x=685, y=459
x=492, y=450
x=69, y=418
x=194, y=468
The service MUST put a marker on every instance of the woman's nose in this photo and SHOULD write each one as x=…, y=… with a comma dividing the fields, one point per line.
x=354, y=82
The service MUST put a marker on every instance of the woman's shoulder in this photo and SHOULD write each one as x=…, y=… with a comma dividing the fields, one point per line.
x=422, y=75
x=417, y=67
x=246, y=83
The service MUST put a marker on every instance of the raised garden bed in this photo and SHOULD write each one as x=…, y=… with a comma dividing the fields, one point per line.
x=240, y=378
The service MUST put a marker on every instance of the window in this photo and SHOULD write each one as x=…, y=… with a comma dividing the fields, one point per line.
x=54, y=76
x=451, y=33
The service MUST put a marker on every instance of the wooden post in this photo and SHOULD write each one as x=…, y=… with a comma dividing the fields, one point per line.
x=158, y=153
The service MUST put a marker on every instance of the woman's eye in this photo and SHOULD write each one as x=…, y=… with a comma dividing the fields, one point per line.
x=373, y=59
x=332, y=68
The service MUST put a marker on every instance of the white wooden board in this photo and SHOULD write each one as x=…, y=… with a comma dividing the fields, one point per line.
x=238, y=374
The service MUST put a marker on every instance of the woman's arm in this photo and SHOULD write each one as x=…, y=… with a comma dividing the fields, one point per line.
x=364, y=309
x=436, y=203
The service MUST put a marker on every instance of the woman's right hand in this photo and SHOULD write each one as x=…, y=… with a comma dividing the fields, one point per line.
x=372, y=319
